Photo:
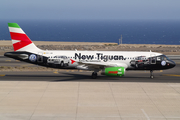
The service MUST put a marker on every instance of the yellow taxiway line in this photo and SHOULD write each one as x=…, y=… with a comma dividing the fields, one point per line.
x=171, y=75
x=8, y=60
x=2, y=75
x=56, y=72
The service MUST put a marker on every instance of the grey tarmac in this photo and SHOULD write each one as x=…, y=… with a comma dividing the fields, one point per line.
x=73, y=95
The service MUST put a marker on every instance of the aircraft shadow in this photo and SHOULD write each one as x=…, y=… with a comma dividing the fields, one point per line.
x=132, y=78
x=74, y=77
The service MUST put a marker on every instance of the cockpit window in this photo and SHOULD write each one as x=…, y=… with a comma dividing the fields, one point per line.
x=165, y=58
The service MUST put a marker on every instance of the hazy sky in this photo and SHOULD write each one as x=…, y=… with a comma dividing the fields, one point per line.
x=90, y=9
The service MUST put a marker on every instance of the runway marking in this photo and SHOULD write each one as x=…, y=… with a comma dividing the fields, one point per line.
x=2, y=75
x=145, y=114
x=172, y=75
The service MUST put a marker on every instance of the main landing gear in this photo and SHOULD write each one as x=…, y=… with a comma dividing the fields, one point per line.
x=151, y=74
x=94, y=75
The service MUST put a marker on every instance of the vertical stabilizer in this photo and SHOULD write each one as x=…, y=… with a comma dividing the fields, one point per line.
x=20, y=40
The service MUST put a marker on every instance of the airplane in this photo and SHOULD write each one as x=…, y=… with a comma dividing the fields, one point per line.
x=110, y=63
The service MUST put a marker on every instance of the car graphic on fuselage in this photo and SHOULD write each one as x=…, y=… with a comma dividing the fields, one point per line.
x=60, y=61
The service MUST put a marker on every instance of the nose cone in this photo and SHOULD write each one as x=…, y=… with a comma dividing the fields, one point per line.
x=171, y=64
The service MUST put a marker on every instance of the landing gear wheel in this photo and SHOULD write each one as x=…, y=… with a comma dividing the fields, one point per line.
x=151, y=74
x=94, y=75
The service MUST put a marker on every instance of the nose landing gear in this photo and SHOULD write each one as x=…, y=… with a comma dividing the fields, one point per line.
x=151, y=74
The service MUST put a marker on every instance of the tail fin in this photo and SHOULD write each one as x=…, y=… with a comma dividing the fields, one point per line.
x=20, y=40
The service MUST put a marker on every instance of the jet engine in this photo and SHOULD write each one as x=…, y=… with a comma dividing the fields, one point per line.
x=114, y=71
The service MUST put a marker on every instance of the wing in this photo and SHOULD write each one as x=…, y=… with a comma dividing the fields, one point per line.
x=100, y=65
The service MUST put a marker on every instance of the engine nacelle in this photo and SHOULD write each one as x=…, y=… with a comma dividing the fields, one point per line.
x=114, y=71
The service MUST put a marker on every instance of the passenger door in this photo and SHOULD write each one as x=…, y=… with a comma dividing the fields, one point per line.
x=40, y=57
x=153, y=59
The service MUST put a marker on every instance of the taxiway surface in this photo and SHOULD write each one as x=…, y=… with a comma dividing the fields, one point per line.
x=73, y=95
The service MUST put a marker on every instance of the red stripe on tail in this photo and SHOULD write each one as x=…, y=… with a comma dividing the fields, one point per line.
x=24, y=40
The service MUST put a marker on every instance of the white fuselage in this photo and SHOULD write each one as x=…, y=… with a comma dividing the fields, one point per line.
x=109, y=57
